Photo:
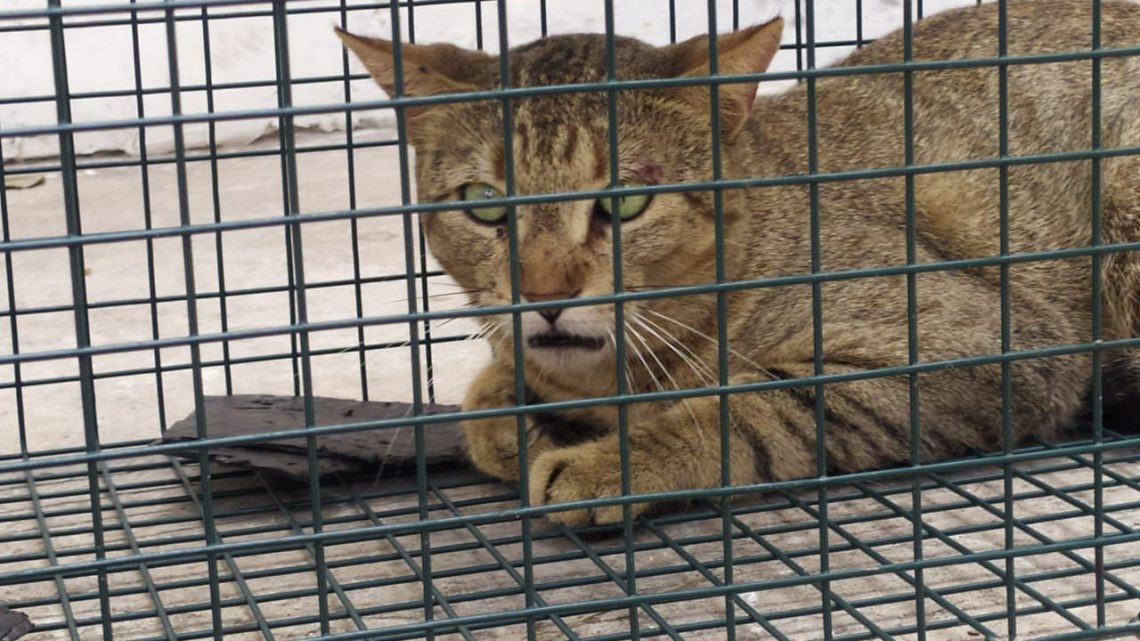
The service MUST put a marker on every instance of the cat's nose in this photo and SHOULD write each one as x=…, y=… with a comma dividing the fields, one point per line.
x=551, y=314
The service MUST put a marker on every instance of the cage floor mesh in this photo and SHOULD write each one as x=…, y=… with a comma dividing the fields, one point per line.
x=375, y=557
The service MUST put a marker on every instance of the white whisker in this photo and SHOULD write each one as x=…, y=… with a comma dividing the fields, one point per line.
x=688, y=356
x=684, y=401
x=714, y=341
x=645, y=364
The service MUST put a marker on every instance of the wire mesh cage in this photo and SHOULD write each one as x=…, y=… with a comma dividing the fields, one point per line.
x=212, y=198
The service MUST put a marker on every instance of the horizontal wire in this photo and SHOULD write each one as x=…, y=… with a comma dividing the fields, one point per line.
x=121, y=161
x=442, y=523
x=551, y=90
x=176, y=5
x=661, y=292
x=849, y=520
x=208, y=295
x=709, y=185
x=537, y=408
x=959, y=481
x=345, y=351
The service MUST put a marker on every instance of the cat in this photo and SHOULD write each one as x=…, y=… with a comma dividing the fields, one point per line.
x=560, y=144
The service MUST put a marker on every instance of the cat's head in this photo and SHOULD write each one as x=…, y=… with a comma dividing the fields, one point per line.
x=561, y=144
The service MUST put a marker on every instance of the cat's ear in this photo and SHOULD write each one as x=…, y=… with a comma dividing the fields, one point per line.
x=428, y=70
x=746, y=51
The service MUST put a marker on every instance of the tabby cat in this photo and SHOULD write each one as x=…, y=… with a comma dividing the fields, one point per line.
x=560, y=144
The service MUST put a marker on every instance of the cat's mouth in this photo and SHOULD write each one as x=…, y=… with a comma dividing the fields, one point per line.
x=564, y=340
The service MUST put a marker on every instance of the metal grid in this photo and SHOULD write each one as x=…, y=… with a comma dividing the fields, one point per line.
x=1035, y=543
x=157, y=587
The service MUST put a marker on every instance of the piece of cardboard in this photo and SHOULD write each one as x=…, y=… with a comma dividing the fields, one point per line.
x=387, y=451
x=14, y=625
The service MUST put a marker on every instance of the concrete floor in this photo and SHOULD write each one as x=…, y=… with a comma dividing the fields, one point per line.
x=128, y=409
x=250, y=188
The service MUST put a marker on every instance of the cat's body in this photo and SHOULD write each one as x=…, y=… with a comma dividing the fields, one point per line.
x=664, y=137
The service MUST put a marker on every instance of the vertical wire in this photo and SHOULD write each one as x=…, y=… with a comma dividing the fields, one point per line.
x=296, y=528
x=148, y=221
x=1097, y=355
x=721, y=321
x=286, y=194
x=800, y=37
x=1006, y=337
x=403, y=554
x=529, y=595
x=493, y=550
x=542, y=17
x=291, y=286
x=354, y=227
x=672, y=21
x=211, y=533
x=216, y=199
x=622, y=384
x=429, y=366
x=21, y=421
x=286, y=135
x=856, y=543
x=13, y=322
x=227, y=557
x=695, y=563
x=413, y=326
x=49, y=551
x=912, y=323
x=663, y=627
x=68, y=173
x=817, y=327
x=479, y=24
x=859, y=24
x=145, y=573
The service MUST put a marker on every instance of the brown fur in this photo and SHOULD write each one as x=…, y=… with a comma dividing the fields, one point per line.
x=664, y=137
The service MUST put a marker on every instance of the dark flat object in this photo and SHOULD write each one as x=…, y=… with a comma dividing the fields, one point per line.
x=389, y=451
x=13, y=625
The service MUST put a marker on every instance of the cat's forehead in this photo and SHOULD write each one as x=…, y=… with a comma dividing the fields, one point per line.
x=565, y=134
x=578, y=58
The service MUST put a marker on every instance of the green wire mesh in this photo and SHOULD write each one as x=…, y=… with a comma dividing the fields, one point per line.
x=373, y=567
x=113, y=540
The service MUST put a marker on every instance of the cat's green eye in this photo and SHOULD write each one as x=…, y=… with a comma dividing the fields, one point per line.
x=628, y=206
x=475, y=192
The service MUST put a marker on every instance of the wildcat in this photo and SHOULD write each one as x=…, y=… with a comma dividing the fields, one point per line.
x=560, y=144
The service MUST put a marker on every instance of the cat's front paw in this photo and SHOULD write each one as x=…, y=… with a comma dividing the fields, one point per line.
x=492, y=447
x=578, y=473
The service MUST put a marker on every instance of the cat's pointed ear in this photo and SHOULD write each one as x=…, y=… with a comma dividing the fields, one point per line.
x=428, y=70
x=746, y=51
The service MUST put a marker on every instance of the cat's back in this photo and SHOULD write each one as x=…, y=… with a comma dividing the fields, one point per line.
x=1032, y=27
x=956, y=110
x=956, y=117
x=1051, y=100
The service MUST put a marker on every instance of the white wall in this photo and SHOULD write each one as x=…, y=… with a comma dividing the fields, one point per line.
x=101, y=58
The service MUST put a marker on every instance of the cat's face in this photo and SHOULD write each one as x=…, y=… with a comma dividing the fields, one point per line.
x=561, y=144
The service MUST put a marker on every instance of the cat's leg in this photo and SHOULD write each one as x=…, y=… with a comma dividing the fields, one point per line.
x=1121, y=284
x=1120, y=380
x=773, y=434
x=1120, y=205
x=492, y=443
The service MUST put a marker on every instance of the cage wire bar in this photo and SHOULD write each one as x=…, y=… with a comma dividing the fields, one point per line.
x=120, y=539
